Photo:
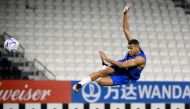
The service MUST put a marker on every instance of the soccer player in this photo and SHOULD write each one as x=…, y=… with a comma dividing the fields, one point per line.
x=122, y=71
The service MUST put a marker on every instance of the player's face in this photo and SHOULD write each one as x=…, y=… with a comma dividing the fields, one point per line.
x=132, y=49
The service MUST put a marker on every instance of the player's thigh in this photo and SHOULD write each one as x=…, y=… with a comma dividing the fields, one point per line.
x=103, y=72
x=107, y=71
x=105, y=81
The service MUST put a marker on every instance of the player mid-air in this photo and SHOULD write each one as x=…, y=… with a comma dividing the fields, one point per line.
x=122, y=71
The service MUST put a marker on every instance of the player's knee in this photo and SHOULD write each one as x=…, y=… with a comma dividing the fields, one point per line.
x=105, y=81
x=100, y=81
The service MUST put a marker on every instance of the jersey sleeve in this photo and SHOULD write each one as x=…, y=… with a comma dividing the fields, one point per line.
x=120, y=60
x=142, y=55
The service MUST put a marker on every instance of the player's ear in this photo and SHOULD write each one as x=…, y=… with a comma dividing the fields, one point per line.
x=136, y=45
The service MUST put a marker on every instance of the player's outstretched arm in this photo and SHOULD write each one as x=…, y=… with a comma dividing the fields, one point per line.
x=125, y=22
x=129, y=63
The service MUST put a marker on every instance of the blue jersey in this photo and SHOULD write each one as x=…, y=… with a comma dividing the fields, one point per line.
x=134, y=71
x=124, y=75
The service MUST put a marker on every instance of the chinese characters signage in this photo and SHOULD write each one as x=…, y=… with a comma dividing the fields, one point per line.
x=135, y=92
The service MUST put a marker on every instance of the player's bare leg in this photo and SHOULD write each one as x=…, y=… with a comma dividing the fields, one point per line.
x=105, y=81
x=94, y=76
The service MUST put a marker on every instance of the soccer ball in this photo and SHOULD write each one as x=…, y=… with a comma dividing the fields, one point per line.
x=11, y=45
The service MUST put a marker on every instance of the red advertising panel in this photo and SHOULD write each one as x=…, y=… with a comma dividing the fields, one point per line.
x=21, y=91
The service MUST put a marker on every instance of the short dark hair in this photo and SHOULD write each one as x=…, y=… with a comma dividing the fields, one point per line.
x=133, y=41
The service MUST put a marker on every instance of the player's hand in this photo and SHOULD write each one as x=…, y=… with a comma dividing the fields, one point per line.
x=127, y=7
x=103, y=55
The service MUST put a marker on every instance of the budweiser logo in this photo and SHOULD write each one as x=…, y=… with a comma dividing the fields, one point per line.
x=24, y=93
